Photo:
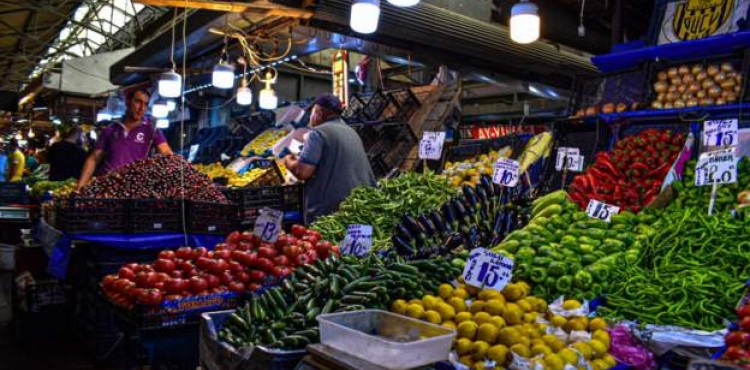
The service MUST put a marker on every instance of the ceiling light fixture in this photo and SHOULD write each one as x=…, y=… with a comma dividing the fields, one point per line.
x=403, y=3
x=268, y=98
x=160, y=109
x=31, y=134
x=171, y=105
x=170, y=84
x=162, y=123
x=223, y=75
x=365, y=15
x=524, y=22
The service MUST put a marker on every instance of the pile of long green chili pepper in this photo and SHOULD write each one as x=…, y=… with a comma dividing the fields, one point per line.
x=691, y=272
x=382, y=207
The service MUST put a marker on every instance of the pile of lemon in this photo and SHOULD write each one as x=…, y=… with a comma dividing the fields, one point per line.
x=215, y=170
x=493, y=327
x=263, y=142
x=469, y=171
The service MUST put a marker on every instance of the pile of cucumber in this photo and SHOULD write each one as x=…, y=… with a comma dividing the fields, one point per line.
x=284, y=317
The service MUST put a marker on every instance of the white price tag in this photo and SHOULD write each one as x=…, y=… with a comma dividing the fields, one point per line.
x=485, y=269
x=567, y=158
x=268, y=224
x=720, y=133
x=358, y=240
x=193, y=152
x=601, y=211
x=431, y=145
x=719, y=166
x=506, y=172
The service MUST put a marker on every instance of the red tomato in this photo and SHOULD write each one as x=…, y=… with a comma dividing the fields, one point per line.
x=249, y=237
x=266, y=252
x=185, y=266
x=161, y=277
x=191, y=273
x=243, y=276
x=306, y=245
x=322, y=251
x=314, y=233
x=291, y=251
x=743, y=311
x=291, y=240
x=298, y=230
x=237, y=255
x=236, y=267
x=251, y=259
x=177, y=274
x=126, y=273
x=281, y=261
x=203, y=263
x=312, y=255
x=220, y=247
x=175, y=286
x=264, y=264
x=212, y=280
x=335, y=250
x=163, y=265
x=281, y=241
x=172, y=297
x=145, y=279
x=197, y=284
x=302, y=259
x=745, y=323
x=167, y=255
x=144, y=267
x=735, y=353
x=131, y=266
x=109, y=282
x=737, y=338
x=184, y=253
x=234, y=237
x=226, y=277
x=150, y=297
x=237, y=287
x=311, y=238
x=159, y=285
x=223, y=254
x=281, y=271
x=257, y=276
x=200, y=251
x=134, y=293
x=253, y=286
x=219, y=266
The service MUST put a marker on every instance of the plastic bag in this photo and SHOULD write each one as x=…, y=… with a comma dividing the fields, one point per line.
x=556, y=308
x=627, y=352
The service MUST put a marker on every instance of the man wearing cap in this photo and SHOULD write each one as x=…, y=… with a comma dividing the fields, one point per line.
x=333, y=161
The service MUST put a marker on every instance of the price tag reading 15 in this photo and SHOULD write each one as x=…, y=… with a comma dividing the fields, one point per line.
x=358, y=240
x=720, y=133
x=485, y=269
x=268, y=225
x=601, y=211
x=506, y=172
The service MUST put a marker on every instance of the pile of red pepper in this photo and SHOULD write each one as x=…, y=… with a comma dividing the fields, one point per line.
x=160, y=177
x=631, y=175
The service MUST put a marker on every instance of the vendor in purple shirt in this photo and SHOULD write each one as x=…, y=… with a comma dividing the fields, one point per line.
x=123, y=143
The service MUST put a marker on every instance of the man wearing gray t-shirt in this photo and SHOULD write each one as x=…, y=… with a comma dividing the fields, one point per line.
x=333, y=161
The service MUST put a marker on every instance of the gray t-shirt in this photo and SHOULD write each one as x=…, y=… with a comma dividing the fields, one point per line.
x=341, y=165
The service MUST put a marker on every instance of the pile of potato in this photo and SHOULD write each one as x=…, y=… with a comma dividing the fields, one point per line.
x=685, y=86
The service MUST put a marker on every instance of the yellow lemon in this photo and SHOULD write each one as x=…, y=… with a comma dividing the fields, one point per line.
x=480, y=365
x=542, y=305
x=600, y=364
x=525, y=305
x=571, y=304
x=554, y=361
x=549, y=339
x=489, y=294
x=432, y=317
x=540, y=349
x=569, y=356
x=530, y=317
x=509, y=336
x=498, y=321
x=495, y=306
x=414, y=310
x=609, y=360
x=399, y=306
x=463, y=346
x=466, y=360
x=445, y=291
x=449, y=324
x=446, y=311
x=597, y=324
x=467, y=329
x=482, y=317
x=458, y=304
x=558, y=321
x=415, y=301
x=513, y=314
x=577, y=324
x=602, y=336
x=487, y=332
x=599, y=348
x=463, y=316
x=429, y=301
x=514, y=292
x=476, y=306
x=479, y=350
x=521, y=350
x=498, y=353
x=584, y=348
x=460, y=293
x=526, y=341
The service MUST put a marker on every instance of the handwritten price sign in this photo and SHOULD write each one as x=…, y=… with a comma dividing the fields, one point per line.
x=358, y=240
x=568, y=158
x=718, y=167
x=268, y=225
x=485, y=269
x=601, y=211
x=431, y=146
x=506, y=172
x=720, y=133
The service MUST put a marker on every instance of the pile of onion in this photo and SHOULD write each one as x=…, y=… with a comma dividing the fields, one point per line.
x=685, y=86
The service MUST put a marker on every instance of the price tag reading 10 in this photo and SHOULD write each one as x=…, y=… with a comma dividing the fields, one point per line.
x=720, y=133
x=567, y=158
x=485, y=269
x=268, y=225
x=718, y=167
x=506, y=172
x=601, y=211
x=358, y=240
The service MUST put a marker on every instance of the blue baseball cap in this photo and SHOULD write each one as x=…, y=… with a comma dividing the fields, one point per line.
x=328, y=101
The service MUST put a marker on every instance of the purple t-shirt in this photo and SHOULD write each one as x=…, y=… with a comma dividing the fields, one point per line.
x=122, y=148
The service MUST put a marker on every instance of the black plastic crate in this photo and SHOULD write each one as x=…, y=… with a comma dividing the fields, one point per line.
x=285, y=198
x=294, y=197
x=375, y=106
x=104, y=216
x=211, y=218
x=156, y=215
x=13, y=193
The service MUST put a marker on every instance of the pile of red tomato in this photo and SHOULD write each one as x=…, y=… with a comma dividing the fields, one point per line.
x=242, y=263
x=738, y=341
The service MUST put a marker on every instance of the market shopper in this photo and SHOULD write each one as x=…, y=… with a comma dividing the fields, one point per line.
x=66, y=157
x=16, y=162
x=123, y=143
x=333, y=161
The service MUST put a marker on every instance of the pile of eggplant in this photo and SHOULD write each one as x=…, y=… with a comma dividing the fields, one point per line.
x=480, y=217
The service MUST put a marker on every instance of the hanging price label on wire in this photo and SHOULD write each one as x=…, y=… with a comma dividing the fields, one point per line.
x=601, y=211
x=718, y=167
x=485, y=269
x=358, y=240
x=431, y=146
x=506, y=172
x=268, y=224
x=720, y=133
x=568, y=158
